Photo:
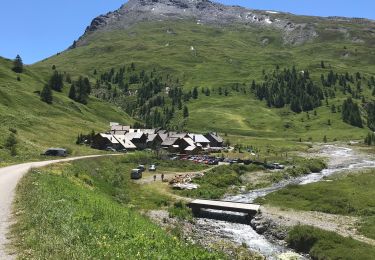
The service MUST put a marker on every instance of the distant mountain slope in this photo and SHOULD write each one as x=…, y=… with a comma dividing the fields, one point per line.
x=207, y=45
x=40, y=125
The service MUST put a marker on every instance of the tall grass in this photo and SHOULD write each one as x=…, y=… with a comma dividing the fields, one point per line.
x=71, y=213
x=320, y=244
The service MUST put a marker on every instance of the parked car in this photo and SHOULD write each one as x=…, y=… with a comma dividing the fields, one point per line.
x=123, y=151
x=56, y=152
x=110, y=149
x=141, y=167
x=136, y=174
x=278, y=166
x=152, y=168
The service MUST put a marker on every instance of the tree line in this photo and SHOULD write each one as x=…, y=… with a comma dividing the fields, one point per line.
x=289, y=87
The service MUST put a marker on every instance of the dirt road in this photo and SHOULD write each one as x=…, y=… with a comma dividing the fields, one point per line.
x=9, y=178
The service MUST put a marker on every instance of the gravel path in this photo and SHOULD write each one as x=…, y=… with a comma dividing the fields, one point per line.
x=167, y=175
x=9, y=178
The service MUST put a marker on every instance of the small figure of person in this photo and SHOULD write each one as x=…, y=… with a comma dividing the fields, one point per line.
x=162, y=177
x=154, y=177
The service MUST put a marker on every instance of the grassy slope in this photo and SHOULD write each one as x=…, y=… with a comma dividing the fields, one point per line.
x=320, y=244
x=72, y=212
x=350, y=195
x=40, y=125
x=225, y=56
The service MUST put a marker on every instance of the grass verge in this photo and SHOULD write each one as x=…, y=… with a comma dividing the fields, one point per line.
x=86, y=210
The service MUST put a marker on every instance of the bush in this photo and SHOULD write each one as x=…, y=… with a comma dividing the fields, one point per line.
x=181, y=211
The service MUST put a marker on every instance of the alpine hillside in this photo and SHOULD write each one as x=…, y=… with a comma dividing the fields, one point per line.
x=202, y=66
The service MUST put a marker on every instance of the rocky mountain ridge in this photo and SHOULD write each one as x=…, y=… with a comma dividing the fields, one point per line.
x=202, y=12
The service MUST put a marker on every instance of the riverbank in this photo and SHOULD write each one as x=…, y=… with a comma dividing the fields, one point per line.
x=273, y=230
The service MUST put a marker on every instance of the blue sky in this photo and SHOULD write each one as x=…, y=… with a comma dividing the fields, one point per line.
x=40, y=28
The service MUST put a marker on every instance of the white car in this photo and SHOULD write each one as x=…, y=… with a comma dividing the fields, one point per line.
x=152, y=168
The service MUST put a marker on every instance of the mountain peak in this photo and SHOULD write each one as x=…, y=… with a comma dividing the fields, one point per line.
x=204, y=12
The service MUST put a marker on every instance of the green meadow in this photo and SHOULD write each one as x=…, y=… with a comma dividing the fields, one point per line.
x=90, y=209
x=223, y=57
x=347, y=195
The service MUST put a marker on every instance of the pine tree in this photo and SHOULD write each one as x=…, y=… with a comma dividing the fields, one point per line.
x=186, y=112
x=18, y=64
x=195, y=93
x=56, y=81
x=72, y=92
x=351, y=113
x=46, y=95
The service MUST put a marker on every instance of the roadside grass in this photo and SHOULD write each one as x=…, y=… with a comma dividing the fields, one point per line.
x=87, y=210
x=352, y=194
x=320, y=244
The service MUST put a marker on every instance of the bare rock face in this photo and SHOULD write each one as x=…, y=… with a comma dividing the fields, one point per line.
x=201, y=11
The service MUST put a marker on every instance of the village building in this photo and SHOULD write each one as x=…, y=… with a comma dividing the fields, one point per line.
x=215, y=140
x=124, y=137
x=139, y=139
x=103, y=141
x=200, y=140
x=154, y=141
x=126, y=143
x=119, y=129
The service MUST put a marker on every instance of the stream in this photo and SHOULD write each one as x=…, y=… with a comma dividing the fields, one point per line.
x=340, y=159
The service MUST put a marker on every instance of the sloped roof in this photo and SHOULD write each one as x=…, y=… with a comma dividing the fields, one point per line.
x=163, y=136
x=120, y=127
x=177, y=135
x=148, y=131
x=198, y=138
x=136, y=135
x=110, y=137
x=191, y=148
x=151, y=137
x=126, y=143
x=189, y=141
x=169, y=141
x=161, y=131
x=119, y=132
x=216, y=137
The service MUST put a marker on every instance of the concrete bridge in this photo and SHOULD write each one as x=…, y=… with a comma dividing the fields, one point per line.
x=250, y=209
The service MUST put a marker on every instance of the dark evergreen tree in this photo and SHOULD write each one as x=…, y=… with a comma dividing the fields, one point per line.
x=195, y=93
x=371, y=115
x=18, y=64
x=56, y=81
x=186, y=112
x=72, y=92
x=46, y=95
x=351, y=113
